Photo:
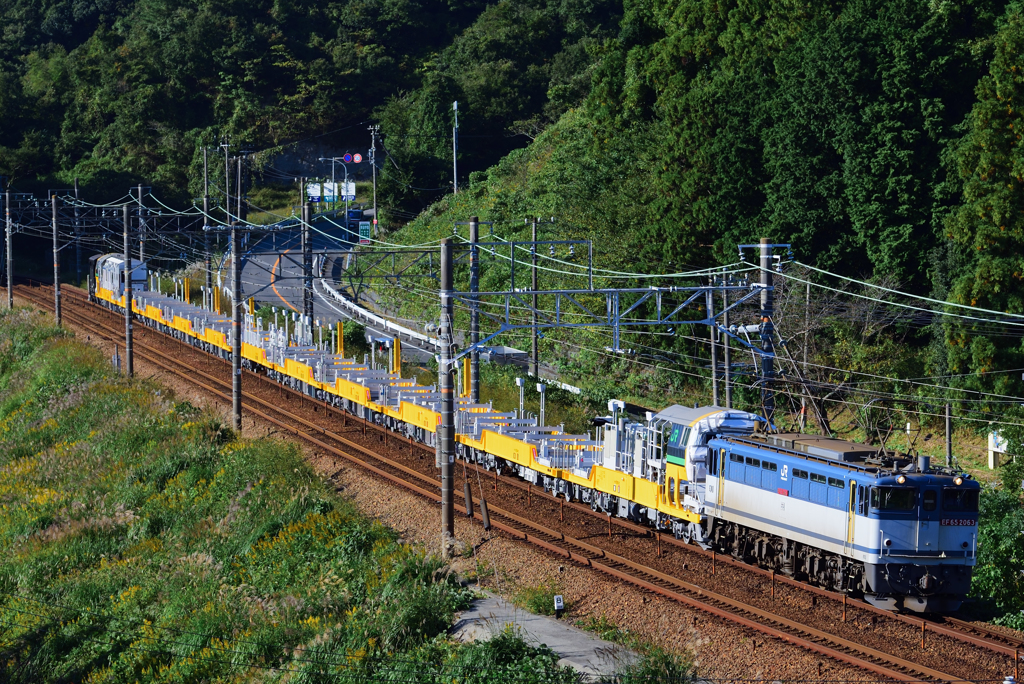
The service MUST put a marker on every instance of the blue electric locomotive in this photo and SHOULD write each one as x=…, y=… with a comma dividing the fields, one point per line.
x=845, y=516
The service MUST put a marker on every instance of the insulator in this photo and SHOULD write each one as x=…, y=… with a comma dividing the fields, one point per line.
x=572, y=250
x=551, y=250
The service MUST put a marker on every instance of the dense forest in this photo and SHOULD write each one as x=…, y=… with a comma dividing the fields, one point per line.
x=877, y=137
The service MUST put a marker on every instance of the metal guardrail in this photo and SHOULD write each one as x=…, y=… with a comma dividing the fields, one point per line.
x=365, y=315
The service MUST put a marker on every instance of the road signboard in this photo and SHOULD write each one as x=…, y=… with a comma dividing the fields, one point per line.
x=313, y=192
x=357, y=158
x=347, y=158
x=330, y=191
x=364, y=232
x=348, y=191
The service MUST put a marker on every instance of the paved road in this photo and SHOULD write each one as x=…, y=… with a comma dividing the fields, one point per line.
x=273, y=273
x=490, y=615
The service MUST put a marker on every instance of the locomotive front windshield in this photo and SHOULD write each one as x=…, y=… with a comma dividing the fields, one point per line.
x=963, y=500
x=893, y=498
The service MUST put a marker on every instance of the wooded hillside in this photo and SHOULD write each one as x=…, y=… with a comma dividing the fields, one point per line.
x=880, y=138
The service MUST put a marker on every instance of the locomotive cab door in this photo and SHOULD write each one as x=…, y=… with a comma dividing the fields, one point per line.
x=851, y=518
x=928, y=521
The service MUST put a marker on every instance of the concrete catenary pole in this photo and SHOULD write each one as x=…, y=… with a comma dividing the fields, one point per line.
x=142, y=228
x=714, y=347
x=236, y=331
x=807, y=331
x=727, y=345
x=534, y=354
x=56, y=264
x=767, y=333
x=78, y=240
x=227, y=181
x=373, y=163
x=238, y=187
x=3, y=262
x=455, y=149
x=949, y=436
x=206, y=229
x=474, y=313
x=446, y=431
x=10, y=251
x=129, y=366
x=307, y=261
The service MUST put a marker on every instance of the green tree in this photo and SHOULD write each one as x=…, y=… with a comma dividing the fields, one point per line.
x=988, y=226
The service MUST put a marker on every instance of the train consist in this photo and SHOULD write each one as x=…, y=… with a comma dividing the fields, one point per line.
x=845, y=516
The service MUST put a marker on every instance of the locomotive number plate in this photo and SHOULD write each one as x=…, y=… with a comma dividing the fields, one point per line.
x=959, y=522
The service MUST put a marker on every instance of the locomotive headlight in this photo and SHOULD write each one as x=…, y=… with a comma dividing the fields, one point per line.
x=902, y=479
x=958, y=480
x=888, y=542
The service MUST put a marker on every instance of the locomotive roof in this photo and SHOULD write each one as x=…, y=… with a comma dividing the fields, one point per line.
x=825, y=447
x=835, y=452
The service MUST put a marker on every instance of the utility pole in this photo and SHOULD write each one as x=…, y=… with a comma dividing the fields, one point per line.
x=206, y=228
x=374, y=130
x=446, y=430
x=78, y=241
x=128, y=365
x=727, y=344
x=142, y=229
x=949, y=436
x=10, y=251
x=474, y=312
x=710, y=297
x=455, y=149
x=56, y=264
x=236, y=332
x=767, y=333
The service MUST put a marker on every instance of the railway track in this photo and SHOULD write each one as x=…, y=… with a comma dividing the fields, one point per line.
x=751, y=617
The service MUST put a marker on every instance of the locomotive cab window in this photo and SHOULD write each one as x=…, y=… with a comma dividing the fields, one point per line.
x=736, y=458
x=835, y=482
x=960, y=500
x=893, y=498
x=929, y=499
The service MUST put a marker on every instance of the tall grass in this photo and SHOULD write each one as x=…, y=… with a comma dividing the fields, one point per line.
x=141, y=541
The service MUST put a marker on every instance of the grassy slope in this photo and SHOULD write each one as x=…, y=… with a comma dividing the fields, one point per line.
x=141, y=542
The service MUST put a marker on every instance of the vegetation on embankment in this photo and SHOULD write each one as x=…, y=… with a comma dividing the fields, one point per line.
x=142, y=541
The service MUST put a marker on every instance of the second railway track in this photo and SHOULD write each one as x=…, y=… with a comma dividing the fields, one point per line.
x=875, y=660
